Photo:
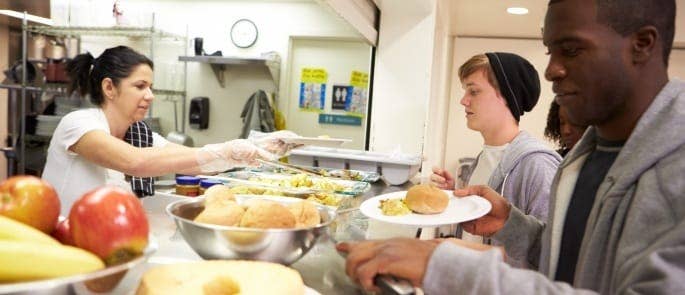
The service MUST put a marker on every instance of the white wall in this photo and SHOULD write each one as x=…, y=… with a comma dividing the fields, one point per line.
x=402, y=82
x=463, y=142
x=277, y=21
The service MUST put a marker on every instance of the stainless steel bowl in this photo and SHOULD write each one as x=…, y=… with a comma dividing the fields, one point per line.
x=109, y=279
x=210, y=241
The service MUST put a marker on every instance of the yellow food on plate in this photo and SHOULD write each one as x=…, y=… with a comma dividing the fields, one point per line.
x=221, y=277
x=267, y=214
x=426, y=199
x=306, y=214
x=394, y=207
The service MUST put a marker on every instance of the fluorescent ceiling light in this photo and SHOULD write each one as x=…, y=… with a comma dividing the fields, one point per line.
x=517, y=10
x=29, y=17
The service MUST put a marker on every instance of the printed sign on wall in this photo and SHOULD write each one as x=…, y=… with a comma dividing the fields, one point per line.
x=341, y=93
x=356, y=103
x=313, y=89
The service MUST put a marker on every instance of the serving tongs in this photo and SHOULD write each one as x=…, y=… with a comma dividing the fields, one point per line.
x=288, y=190
x=290, y=167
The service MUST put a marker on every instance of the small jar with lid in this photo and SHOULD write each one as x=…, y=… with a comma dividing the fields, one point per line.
x=206, y=183
x=188, y=186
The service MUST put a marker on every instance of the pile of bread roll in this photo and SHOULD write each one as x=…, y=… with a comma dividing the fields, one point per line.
x=221, y=208
x=426, y=199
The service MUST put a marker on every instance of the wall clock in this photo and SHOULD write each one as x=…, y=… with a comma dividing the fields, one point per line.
x=244, y=33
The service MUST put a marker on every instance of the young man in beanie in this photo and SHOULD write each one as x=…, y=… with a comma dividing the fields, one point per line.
x=499, y=88
x=622, y=185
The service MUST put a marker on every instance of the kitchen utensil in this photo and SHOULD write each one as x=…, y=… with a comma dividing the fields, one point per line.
x=15, y=71
x=56, y=71
x=210, y=241
x=72, y=46
x=36, y=47
x=324, y=142
x=78, y=284
x=458, y=210
x=287, y=166
x=288, y=190
x=55, y=50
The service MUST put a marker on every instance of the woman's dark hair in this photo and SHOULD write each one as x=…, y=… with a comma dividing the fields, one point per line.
x=553, y=128
x=86, y=72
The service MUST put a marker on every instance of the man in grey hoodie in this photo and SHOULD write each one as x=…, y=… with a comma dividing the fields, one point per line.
x=617, y=219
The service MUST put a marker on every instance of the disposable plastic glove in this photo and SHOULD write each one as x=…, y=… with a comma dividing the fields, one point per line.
x=235, y=153
x=273, y=142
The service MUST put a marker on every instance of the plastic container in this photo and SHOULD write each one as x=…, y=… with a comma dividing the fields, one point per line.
x=188, y=186
x=207, y=183
x=395, y=168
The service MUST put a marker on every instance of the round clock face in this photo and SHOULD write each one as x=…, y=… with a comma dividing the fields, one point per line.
x=244, y=33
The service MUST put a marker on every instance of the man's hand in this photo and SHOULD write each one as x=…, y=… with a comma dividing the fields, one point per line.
x=492, y=222
x=401, y=257
x=442, y=179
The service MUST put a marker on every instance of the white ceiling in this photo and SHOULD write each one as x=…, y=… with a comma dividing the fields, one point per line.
x=490, y=18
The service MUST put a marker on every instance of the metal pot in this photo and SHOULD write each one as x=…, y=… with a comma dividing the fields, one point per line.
x=72, y=45
x=36, y=47
x=55, y=50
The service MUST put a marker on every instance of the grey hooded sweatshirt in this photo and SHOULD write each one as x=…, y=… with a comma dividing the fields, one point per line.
x=524, y=176
x=634, y=241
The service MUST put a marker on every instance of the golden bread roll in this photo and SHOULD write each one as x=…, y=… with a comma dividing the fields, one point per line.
x=218, y=194
x=221, y=277
x=221, y=214
x=267, y=214
x=306, y=214
x=426, y=199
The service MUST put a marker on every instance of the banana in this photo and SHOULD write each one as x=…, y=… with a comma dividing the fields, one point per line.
x=11, y=229
x=23, y=261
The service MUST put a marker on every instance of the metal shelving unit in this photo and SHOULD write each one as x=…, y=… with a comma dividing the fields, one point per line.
x=16, y=153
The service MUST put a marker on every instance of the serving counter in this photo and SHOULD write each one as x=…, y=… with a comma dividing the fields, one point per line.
x=322, y=269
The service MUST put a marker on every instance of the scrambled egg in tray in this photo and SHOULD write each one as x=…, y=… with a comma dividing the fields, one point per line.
x=394, y=207
x=328, y=199
x=301, y=180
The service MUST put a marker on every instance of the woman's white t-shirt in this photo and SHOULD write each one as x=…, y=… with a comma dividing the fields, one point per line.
x=487, y=162
x=73, y=175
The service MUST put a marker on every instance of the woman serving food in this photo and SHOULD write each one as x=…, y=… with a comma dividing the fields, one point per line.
x=87, y=149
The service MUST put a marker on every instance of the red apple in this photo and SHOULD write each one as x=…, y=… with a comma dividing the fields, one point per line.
x=111, y=223
x=30, y=200
x=62, y=232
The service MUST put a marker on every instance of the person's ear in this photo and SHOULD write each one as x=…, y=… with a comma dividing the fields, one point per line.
x=108, y=88
x=644, y=44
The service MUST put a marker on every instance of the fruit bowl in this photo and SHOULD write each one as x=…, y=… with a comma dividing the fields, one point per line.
x=104, y=280
x=283, y=246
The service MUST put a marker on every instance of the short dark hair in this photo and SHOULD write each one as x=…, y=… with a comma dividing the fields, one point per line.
x=553, y=127
x=627, y=16
x=86, y=72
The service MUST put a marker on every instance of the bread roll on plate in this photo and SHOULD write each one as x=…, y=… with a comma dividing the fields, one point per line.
x=426, y=199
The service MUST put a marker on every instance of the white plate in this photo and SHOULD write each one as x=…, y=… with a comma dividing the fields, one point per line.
x=458, y=210
x=326, y=142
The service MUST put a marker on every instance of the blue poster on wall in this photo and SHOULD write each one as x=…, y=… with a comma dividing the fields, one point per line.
x=313, y=89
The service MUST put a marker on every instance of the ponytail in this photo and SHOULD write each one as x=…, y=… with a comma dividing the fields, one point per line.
x=78, y=70
x=117, y=63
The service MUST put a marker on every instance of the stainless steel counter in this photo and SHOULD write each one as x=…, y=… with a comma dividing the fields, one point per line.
x=322, y=269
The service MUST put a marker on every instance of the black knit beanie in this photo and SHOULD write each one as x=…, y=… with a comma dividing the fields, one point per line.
x=518, y=81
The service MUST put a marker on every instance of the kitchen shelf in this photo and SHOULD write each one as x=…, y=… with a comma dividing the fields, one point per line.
x=117, y=31
x=56, y=88
x=270, y=60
